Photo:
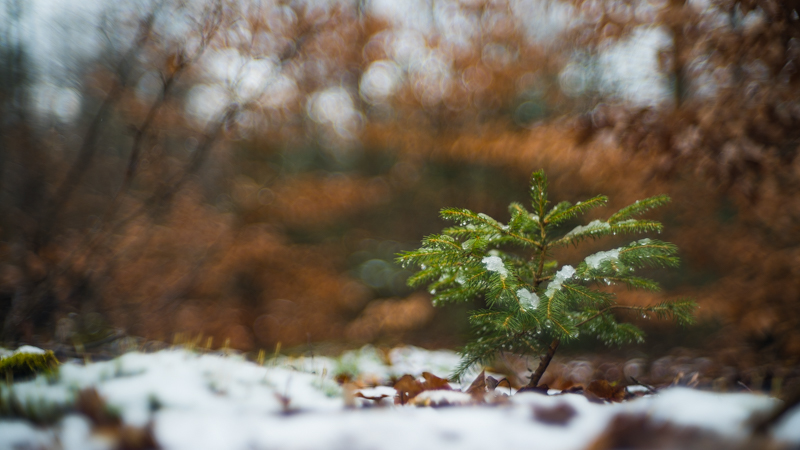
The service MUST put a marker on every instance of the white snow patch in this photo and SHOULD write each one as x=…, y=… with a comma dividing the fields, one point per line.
x=19, y=434
x=594, y=261
x=76, y=434
x=592, y=227
x=495, y=264
x=377, y=391
x=788, y=429
x=29, y=349
x=440, y=396
x=414, y=361
x=528, y=299
x=210, y=401
x=726, y=414
x=562, y=275
x=637, y=388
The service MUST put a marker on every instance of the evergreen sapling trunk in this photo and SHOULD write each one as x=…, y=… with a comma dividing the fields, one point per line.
x=533, y=305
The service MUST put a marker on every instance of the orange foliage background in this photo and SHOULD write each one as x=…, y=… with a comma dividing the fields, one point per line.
x=269, y=223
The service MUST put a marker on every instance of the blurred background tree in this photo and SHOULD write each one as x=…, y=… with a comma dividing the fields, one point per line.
x=248, y=170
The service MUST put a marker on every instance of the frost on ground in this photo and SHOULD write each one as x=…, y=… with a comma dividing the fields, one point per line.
x=179, y=399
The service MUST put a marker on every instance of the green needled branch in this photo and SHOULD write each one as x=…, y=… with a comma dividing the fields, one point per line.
x=534, y=305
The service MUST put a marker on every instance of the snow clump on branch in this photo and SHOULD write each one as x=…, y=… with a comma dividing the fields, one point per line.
x=495, y=264
x=562, y=275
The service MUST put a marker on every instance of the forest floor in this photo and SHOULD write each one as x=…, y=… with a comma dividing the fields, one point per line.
x=181, y=398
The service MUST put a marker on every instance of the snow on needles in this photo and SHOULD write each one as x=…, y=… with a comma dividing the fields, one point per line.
x=527, y=299
x=564, y=274
x=592, y=227
x=594, y=261
x=213, y=401
x=495, y=264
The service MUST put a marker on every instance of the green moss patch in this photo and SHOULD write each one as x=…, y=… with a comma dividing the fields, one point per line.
x=23, y=366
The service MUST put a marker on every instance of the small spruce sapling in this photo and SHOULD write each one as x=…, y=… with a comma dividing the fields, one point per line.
x=533, y=305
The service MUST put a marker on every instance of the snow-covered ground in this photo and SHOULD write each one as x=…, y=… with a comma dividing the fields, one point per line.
x=190, y=400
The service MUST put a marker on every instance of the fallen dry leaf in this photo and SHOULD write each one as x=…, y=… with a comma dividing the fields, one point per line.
x=375, y=399
x=108, y=424
x=407, y=387
x=559, y=414
x=642, y=432
x=603, y=390
x=136, y=438
x=432, y=382
x=492, y=382
x=343, y=378
x=90, y=404
x=478, y=387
